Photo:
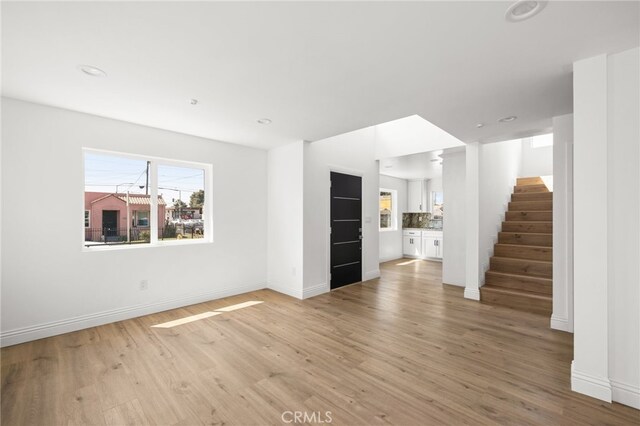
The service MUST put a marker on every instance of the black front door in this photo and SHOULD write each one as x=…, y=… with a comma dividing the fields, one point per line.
x=346, y=229
x=110, y=223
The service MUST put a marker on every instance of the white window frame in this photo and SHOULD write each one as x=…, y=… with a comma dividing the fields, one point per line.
x=87, y=219
x=153, y=193
x=394, y=210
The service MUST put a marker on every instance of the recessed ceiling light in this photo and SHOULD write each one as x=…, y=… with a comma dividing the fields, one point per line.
x=524, y=9
x=92, y=71
x=508, y=119
x=193, y=102
x=479, y=125
x=264, y=121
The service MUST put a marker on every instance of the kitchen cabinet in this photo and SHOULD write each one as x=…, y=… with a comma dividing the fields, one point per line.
x=432, y=246
x=418, y=201
x=412, y=243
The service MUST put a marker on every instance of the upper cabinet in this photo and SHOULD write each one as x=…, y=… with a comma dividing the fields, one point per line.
x=418, y=200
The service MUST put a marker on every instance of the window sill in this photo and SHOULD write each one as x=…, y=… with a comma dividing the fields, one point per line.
x=118, y=247
x=387, y=229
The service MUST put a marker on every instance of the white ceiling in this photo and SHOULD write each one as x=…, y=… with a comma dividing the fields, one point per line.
x=317, y=69
x=410, y=135
x=414, y=166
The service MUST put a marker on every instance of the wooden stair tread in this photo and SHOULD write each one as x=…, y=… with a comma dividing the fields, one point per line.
x=529, y=246
x=515, y=292
x=527, y=238
x=517, y=299
x=529, y=216
x=528, y=260
x=528, y=226
x=530, y=180
x=519, y=189
x=523, y=251
x=526, y=233
x=532, y=196
x=537, y=285
x=526, y=267
x=536, y=205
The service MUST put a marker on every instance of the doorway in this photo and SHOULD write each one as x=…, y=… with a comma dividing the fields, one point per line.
x=346, y=229
x=110, y=224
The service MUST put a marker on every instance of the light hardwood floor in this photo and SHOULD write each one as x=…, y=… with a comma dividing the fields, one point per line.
x=402, y=349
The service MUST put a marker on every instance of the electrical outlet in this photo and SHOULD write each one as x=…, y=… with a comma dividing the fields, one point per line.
x=144, y=284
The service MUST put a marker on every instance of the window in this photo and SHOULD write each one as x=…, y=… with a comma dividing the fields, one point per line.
x=140, y=200
x=141, y=219
x=388, y=211
x=542, y=141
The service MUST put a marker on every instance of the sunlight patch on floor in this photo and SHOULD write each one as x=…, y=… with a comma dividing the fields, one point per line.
x=408, y=262
x=239, y=306
x=186, y=320
x=204, y=315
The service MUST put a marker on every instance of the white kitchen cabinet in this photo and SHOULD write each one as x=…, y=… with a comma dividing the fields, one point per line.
x=412, y=243
x=432, y=244
x=417, y=196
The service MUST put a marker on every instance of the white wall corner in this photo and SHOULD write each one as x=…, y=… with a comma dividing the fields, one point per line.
x=596, y=387
x=471, y=293
x=371, y=275
x=289, y=291
x=626, y=394
x=560, y=323
x=315, y=290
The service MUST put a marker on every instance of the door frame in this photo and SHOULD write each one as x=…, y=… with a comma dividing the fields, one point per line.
x=327, y=231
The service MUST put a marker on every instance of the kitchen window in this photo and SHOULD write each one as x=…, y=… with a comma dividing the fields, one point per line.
x=388, y=209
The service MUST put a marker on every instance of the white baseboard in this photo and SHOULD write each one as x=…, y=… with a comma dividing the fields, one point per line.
x=293, y=292
x=471, y=293
x=626, y=394
x=371, y=275
x=40, y=331
x=596, y=387
x=315, y=290
x=559, y=323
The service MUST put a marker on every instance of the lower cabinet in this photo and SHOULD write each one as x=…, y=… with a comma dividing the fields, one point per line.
x=432, y=246
x=412, y=245
x=422, y=244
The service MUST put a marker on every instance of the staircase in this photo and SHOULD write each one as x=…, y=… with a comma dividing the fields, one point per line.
x=520, y=270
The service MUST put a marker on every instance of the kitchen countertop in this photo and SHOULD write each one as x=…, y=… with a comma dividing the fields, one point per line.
x=422, y=229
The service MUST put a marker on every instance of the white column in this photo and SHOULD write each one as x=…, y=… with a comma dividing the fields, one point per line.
x=472, y=202
x=589, y=370
x=562, y=317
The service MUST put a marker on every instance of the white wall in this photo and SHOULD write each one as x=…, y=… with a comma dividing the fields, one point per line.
x=562, y=316
x=49, y=285
x=352, y=153
x=536, y=161
x=499, y=167
x=607, y=186
x=391, y=241
x=454, y=235
x=285, y=216
x=623, y=189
